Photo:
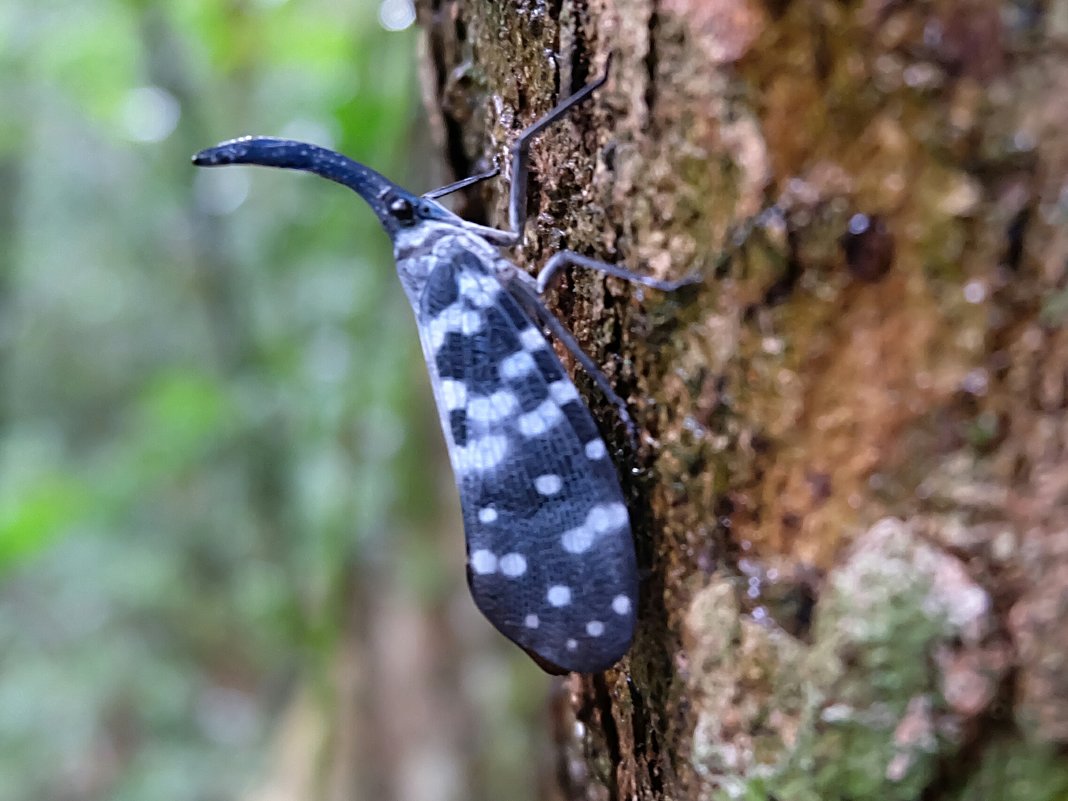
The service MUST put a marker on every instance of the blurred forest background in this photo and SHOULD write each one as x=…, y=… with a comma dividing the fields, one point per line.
x=230, y=557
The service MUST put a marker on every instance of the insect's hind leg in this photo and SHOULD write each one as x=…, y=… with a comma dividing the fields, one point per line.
x=566, y=258
x=530, y=300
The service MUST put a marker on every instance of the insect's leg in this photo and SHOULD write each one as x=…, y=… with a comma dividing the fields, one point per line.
x=456, y=186
x=520, y=157
x=517, y=195
x=527, y=296
x=739, y=236
x=569, y=257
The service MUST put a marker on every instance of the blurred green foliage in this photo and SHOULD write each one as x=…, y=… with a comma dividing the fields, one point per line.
x=213, y=404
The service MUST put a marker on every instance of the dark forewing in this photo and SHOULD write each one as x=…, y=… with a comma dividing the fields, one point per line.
x=550, y=555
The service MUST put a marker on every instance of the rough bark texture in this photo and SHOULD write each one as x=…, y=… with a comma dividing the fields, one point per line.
x=852, y=499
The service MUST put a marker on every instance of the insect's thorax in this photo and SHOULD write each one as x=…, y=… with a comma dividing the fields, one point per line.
x=421, y=249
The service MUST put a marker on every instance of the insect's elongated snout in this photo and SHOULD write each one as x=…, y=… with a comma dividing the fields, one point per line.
x=288, y=154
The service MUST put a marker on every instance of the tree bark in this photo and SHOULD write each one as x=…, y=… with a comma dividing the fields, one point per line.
x=852, y=493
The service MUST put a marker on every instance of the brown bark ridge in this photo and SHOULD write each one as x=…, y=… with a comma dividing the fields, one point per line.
x=852, y=494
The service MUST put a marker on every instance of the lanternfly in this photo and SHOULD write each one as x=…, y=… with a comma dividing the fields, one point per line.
x=550, y=555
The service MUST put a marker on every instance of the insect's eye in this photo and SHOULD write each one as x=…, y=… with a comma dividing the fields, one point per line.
x=401, y=209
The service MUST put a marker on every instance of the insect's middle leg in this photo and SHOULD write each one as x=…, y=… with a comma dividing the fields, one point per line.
x=739, y=237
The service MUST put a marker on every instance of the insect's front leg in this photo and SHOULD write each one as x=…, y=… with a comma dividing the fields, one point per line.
x=520, y=157
x=463, y=183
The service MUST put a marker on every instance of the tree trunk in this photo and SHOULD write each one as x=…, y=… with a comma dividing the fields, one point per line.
x=852, y=493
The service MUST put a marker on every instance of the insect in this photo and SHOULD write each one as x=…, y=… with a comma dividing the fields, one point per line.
x=551, y=559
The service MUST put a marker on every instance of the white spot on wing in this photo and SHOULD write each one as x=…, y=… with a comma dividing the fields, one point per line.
x=595, y=628
x=481, y=290
x=571, y=644
x=595, y=449
x=453, y=318
x=621, y=604
x=470, y=322
x=558, y=595
x=548, y=484
x=487, y=514
x=499, y=406
x=513, y=564
x=563, y=392
x=607, y=517
x=531, y=339
x=531, y=622
x=448, y=320
x=517, y=365
x=545, y=416
x=601, y=519
x=479, y=455
x=577, y=540
x=453, y=394
x=483, y=562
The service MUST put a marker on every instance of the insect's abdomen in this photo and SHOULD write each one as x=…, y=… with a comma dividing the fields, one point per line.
x=550, y=555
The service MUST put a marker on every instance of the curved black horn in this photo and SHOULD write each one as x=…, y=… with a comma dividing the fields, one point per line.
x=291, y=155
